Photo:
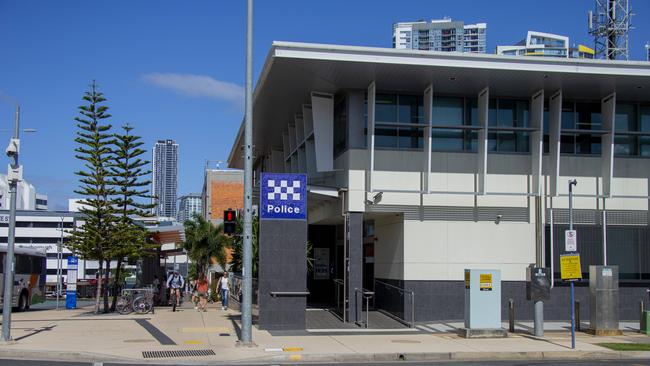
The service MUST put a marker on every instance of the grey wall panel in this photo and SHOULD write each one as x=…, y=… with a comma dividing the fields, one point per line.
x=444, y=301
x=483, y=114
x=322, y=105
x=608, y=109
x=537, y=140
x=355, y=265
x=282, y=267
x=555, y=124
x=371, y=137
x=428, y=119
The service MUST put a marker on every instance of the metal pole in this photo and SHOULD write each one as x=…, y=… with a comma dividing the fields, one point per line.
x=538, y=328
x=246, y=314
x=59, y=257
x=551, y=247
x=7, y=298
x=572, y=182
x=604, y=237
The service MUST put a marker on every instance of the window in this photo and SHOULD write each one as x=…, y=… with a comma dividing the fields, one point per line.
x=447, y=111
x=23, y=264
x=625, y=121
x=588, y=117
x=397, y=119
x=644, y=126
x=507, y=116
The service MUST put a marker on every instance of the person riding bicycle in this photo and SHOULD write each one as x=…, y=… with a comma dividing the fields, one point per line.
x=175, y=283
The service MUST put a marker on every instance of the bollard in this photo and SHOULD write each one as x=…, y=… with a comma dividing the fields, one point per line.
x=641, y=308
x=511, y=315
x=641, y=320
x=577, y=310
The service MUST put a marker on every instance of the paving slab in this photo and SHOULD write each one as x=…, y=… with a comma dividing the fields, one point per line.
x=79, y=334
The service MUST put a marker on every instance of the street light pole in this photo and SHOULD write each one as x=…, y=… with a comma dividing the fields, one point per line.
x=247, y=268
x=14, y=176
x=59, y=265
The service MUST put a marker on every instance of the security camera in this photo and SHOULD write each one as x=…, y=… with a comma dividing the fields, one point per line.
x=498, y=219
x=375, y=199
x=13, y=147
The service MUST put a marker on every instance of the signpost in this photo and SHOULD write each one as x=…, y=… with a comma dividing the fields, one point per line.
x=71, y=289
x=570, y=261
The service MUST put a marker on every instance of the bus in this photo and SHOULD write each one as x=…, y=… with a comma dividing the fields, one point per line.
x=29, y=277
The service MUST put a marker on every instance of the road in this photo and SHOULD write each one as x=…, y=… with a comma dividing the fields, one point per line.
x=443, y=363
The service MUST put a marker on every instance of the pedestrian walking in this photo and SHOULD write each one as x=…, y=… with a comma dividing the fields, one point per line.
x=225, y=290
x=202, y=290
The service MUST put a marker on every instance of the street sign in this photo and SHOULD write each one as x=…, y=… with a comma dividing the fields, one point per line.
x=71, y=289
x=570, y=267
x=570, y=240
x=283, y=196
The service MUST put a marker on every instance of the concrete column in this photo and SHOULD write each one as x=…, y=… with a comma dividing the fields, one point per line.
x=354, y=265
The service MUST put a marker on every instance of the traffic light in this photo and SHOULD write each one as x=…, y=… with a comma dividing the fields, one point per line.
x=229, y=221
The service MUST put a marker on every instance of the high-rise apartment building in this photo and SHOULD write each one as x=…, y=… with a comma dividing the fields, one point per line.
x=440, y=35
x=165, y=177
x=188, y=205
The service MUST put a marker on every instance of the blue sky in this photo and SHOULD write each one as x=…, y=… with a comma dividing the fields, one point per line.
x=175, y=69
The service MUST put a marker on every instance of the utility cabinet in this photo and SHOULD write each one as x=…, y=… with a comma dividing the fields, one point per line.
x=603, y=300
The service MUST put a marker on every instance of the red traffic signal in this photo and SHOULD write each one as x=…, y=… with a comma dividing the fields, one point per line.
x=229, y=221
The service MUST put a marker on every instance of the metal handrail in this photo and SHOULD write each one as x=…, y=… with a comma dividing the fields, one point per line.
x=338, y=282
x=289, y=293
x=406, y=292
x=367, y=294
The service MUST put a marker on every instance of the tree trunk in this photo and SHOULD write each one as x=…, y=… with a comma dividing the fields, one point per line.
x=107, y=276
x=98, y=294
x=116, y=285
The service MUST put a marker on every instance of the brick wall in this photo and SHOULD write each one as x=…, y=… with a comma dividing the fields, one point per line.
x=225, y=195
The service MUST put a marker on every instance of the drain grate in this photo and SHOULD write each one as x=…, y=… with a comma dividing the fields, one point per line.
x=181, y=353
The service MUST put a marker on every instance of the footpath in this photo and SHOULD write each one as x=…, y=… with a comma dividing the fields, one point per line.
x=187, y=336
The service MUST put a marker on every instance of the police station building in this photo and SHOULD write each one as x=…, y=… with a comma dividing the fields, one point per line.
x=422, y=164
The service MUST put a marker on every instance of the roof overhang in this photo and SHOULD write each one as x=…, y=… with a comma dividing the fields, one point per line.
x=293, y=70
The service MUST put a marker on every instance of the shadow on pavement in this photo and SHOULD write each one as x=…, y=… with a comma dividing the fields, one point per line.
x=40, y=330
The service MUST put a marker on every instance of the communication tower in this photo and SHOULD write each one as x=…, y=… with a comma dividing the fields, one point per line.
x=610, y=25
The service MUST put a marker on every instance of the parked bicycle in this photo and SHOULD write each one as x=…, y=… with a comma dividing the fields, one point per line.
x=140, y=300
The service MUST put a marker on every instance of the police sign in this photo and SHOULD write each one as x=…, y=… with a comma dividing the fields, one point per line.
x=283, y=196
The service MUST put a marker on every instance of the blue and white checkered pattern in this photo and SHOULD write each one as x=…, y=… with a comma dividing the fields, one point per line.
x=283, y=191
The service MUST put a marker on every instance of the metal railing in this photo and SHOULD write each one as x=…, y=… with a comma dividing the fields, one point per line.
x=405, y=293
x=236, y=288
x=338, y=283
x=367, y=295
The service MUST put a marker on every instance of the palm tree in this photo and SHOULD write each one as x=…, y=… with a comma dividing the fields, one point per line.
x=204, y=241
x=238, y=245
x=238, y=248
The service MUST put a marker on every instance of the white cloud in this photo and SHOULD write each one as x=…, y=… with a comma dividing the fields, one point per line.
x=197, y=86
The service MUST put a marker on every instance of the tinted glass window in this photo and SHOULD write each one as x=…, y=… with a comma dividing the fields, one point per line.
x=23, y=264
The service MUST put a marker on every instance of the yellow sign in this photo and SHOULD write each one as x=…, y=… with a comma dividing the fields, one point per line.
x=570, y=267
x=466, y=279
x=485, y=282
